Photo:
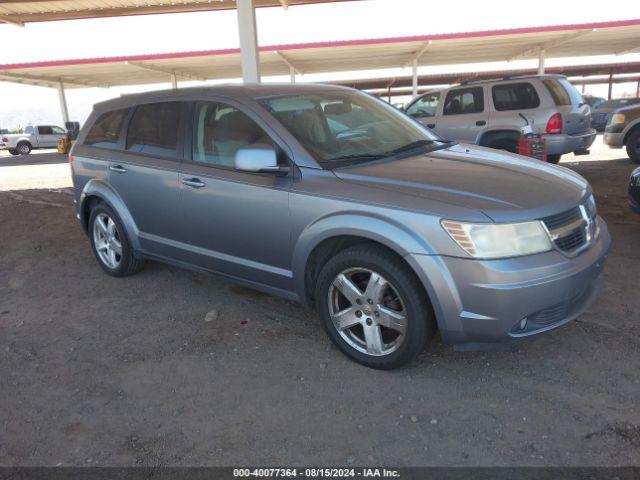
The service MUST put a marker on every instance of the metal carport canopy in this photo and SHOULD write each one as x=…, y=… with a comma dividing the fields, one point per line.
x=19, y=12
x=616, y=37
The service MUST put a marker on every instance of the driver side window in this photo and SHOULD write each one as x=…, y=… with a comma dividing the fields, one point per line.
x=426, y=106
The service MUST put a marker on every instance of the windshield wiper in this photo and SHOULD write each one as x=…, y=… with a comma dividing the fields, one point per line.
x=356, y=157
x=410, y=146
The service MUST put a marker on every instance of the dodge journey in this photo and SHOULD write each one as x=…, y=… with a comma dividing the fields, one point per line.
x=332, y=197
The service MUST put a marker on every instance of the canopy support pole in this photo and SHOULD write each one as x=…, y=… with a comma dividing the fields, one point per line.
x=414, y=80
x=610, y=86
x=541, y=62
x=174, y=81
x=63, y=103
x=292, y=74
x=249, y=58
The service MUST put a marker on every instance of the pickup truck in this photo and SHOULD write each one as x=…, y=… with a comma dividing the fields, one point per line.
x=41, y=136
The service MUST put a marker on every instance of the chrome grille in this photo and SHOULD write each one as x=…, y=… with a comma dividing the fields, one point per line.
x=572, y=230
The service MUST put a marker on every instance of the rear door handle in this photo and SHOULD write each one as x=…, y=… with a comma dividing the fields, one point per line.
x=193, y=182
x=117, y=168
x=481, y=123
x=431, y=125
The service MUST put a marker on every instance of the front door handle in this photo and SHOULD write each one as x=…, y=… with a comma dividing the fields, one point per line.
x=481, y=123
x=117, y=168
x=193, y=182
x=431, y=125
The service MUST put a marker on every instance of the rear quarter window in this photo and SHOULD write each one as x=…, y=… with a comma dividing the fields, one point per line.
x=515, y=96
x=562, y=91
x=105, y=132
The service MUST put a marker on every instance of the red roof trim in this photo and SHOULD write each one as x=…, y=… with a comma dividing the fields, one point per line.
x=330, y=44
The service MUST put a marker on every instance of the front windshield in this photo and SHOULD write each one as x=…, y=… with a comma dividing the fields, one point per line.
x=342, y=128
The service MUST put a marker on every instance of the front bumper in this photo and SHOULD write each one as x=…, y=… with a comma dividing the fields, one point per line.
x=614, y=139
x=483, y=302
x=559, y=144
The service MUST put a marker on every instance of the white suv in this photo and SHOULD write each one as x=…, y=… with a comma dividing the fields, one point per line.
x=490, y=113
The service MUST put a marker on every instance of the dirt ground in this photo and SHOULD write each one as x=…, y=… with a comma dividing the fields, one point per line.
x=102, y=371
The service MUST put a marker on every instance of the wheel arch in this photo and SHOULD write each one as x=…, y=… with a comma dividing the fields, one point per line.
x=96, y=191
x=506, y=133
x=633, y=127
x=329, y=235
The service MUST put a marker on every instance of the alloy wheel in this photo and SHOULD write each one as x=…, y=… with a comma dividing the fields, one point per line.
x=367, y=311
x=106, y=240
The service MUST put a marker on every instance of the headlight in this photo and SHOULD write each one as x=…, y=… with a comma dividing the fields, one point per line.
x=499, y=240
x=618, y=118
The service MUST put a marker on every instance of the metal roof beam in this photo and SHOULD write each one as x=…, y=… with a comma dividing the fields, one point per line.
x=10, y=21
x=416, y=56
x=48, y=81
x=166, y=71
x=534, y=51
x=288, y=62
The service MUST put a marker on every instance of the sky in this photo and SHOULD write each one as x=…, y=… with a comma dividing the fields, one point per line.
x=23, y=104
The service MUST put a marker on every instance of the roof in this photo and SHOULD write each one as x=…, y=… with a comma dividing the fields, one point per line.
x=19, y=12
x=251, y=90
x=616, y=37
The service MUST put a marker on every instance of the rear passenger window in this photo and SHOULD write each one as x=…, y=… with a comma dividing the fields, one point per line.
x=45, y=130
x=515, y=96
x=464, y=100
x=105, y=132
x=220, y=130
x=154, y=129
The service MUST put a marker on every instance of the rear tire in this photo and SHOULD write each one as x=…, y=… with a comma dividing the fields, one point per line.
x=13, y=151
x=633, y=146
x=110, y=244
x=554, y=158
x=387, y=320
x=24, y=148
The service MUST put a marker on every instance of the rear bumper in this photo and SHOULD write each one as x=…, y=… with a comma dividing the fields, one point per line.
x=483, y=302
x=562, y=143
x=614, y=140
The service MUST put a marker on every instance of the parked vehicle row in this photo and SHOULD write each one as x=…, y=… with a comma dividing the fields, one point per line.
x=331, y=197
x=41, y=136
x=489, y=113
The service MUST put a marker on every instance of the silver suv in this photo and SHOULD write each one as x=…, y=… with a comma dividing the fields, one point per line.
x=334, y=198
x=490, y=113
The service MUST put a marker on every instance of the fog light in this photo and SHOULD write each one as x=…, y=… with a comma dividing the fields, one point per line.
x=523, y=324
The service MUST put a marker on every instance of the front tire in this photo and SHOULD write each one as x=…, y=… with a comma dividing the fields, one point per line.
x=24, y=148
x=633, y=146
x=373, y=307
x=110, y=244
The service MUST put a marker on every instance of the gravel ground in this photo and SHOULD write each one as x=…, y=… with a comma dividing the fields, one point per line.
x=142, y=371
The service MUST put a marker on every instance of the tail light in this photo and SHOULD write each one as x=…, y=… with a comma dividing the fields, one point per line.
x=5, y=139
x=554, y=125
x=72, y=157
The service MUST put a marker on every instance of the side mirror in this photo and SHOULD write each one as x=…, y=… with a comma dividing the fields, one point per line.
x=258, y=158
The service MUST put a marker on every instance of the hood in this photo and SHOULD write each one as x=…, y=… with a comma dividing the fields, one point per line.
x=503, y=186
